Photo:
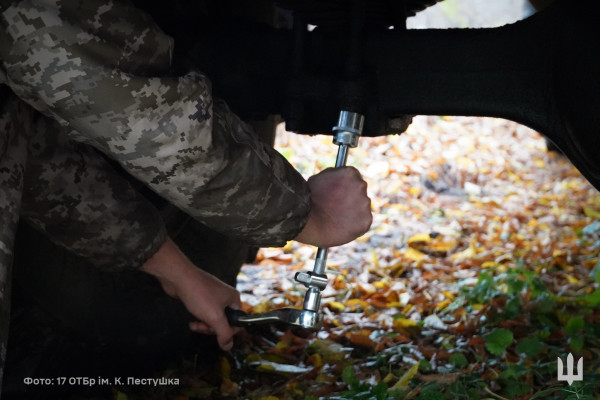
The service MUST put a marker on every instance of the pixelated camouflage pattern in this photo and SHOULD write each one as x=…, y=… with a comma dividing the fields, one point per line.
x=101, y=69
x=70, y=192
x=73, y=195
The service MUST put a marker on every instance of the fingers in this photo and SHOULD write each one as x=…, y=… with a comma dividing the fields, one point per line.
x=225, y=335
x=220, y=328
x=223, y=330
x=201, y=327
x=352, y=203
x=215, y=322
x=341, y=208
x=361, y=202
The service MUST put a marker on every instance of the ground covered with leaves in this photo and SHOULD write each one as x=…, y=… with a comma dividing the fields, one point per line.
x=480, y=270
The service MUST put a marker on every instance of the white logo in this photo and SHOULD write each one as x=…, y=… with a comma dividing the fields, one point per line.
x=570, y=375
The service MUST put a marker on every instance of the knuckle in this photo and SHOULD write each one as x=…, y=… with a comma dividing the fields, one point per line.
x=212, y=318
x=366, y=204
x=348, y=171
x=356, y=173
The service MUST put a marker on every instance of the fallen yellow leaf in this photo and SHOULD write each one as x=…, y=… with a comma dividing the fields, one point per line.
x=316, y=360
x=414, y=254
x=225, y=368
x=408, y=375
x=228, y=387
x=405, y=323
x=443, y=304
x=381, y=285
x=591, y=212
x=467, y=253
x=336, y=305
x=414, y=191
x=388, y=378
x=443, y=246
x=353, y=303
x=419, y=238
x=447, y=294
x=572, y=279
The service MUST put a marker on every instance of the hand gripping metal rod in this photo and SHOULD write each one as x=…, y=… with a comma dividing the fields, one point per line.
x=345, y=134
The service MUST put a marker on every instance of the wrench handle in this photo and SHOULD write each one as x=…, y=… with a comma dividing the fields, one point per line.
x=234, y=316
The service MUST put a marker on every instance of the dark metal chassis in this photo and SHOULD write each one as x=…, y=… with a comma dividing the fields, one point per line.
x=543, y=72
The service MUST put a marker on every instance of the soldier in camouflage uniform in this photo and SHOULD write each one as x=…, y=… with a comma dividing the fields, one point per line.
x=99, y=72
x=72, y=194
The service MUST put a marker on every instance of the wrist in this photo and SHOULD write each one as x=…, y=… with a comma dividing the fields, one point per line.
x=168, y=265
x=309, y=232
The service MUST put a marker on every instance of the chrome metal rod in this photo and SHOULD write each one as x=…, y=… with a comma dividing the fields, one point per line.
x=347, y=132
x=320, y=261
x=346, y=135
x=321, y=257
x=342, y=156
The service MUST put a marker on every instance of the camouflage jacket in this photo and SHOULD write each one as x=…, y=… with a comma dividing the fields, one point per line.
x=102, y=70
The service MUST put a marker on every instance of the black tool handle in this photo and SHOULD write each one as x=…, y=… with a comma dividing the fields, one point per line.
x=233, y=316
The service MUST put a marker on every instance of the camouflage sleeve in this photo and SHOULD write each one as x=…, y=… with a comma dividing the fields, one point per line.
x=70, y=192
x=101, y=69
x=73, y=194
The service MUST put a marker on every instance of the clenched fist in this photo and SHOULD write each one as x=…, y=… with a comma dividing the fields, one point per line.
x=341, y=208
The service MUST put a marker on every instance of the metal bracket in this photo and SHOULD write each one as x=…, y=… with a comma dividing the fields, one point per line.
x=309, y=279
